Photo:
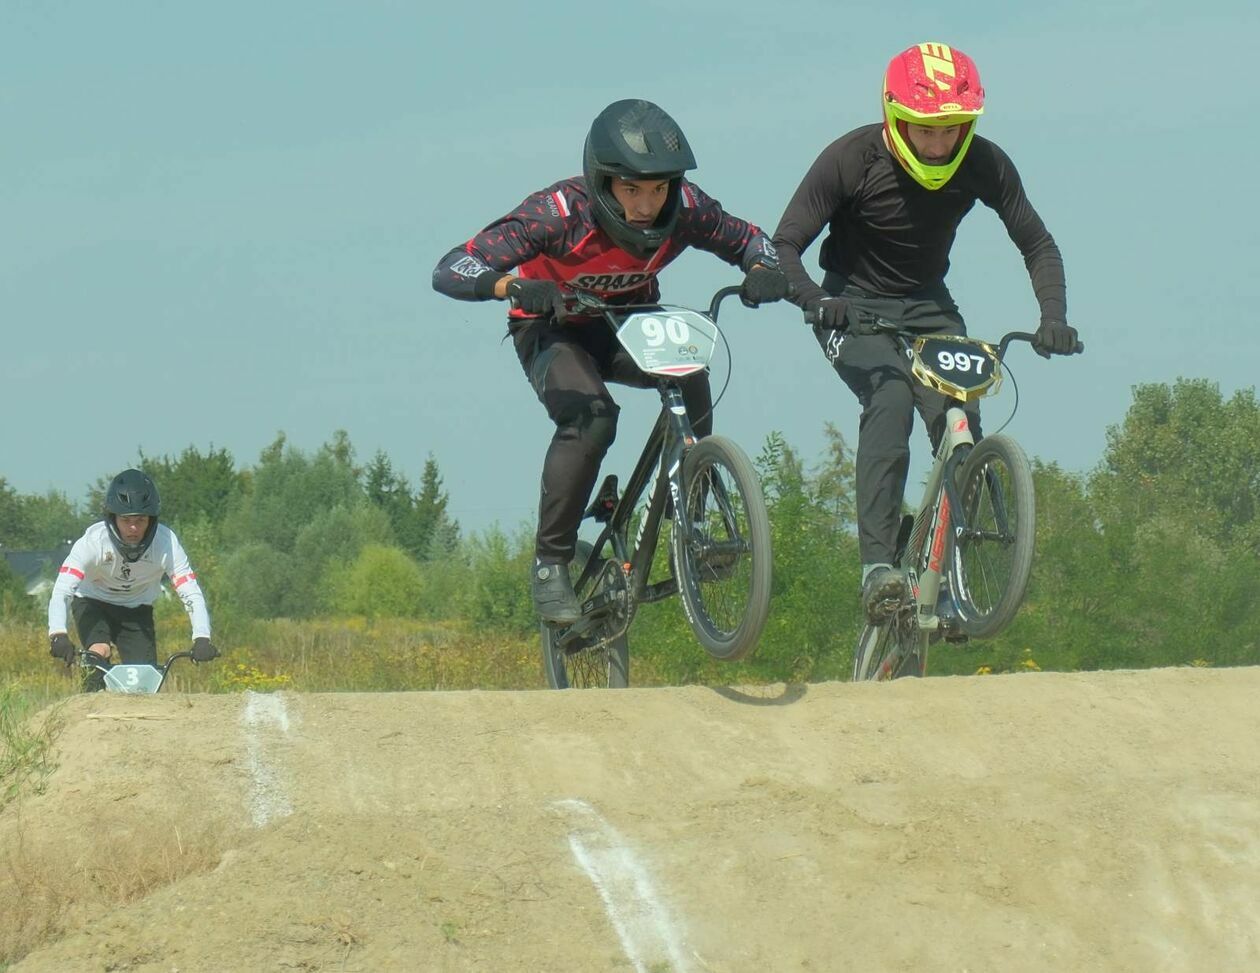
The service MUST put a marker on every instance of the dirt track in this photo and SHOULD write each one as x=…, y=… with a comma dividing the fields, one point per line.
x=1101, y=821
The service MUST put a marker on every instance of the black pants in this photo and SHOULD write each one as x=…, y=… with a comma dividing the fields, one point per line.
x=877, y=370
x=567, y=367
x=131, y=629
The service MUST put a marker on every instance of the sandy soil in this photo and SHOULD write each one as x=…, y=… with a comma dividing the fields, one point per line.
x=1100, y=821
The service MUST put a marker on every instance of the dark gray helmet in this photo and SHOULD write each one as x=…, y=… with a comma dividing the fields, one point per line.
x=635, y=139
x=132, y=492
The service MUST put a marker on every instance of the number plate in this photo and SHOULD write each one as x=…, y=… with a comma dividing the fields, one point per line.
x=133, y=679
x=669, y=341
x=962, y=368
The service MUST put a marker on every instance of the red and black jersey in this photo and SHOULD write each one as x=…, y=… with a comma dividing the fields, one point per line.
x=553, y=235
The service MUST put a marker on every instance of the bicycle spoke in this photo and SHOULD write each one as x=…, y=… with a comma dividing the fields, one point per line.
x=589, y=660
x=587, y=668
x=722, y=549
x=986, y=556
x=993, y=550
x=718, y=524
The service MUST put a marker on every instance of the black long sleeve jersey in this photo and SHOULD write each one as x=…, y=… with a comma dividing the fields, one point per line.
x=892, y=237
x=553, y=235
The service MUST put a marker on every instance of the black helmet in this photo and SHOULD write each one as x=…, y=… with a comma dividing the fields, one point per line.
x=635, y=139
x=132, y=492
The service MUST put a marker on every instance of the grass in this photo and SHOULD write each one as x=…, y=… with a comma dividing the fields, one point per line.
x=320, y=655
x=26, y=743
x=64, y=881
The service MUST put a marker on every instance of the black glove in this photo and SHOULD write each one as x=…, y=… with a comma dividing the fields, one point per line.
x=203, y=651
x=60, y=647
x=827, y=312
x=536, y=296
x=1055, y=338
x=762, y=285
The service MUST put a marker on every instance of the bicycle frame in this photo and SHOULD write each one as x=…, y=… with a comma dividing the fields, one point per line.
x=940, y=517
x=658, y=470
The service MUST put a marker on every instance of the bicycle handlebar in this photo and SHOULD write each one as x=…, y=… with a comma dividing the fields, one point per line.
x=584, y=301
x=884, y=326
x=1032, y=340
x=89, y=659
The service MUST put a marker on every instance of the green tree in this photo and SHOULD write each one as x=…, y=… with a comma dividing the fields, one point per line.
x=255, y=582
x=288, y=489
x=382, y=582
x=387, y=489
x=1186, y=451
x=835, y=480
x=38, y=522
x=498, y=592
x=326, y=548
x=432, y=531
x=194, y=485
x=420, y=522
x=15, y=604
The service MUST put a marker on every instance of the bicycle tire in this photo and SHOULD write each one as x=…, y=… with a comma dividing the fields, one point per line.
x=590, y=667
x=899, y=636
x=989, y=575
x=724, y=573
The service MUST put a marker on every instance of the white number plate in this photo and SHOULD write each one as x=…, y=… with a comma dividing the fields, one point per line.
x=669, y=341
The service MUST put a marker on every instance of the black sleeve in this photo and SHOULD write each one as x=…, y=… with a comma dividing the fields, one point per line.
x=468, y=272
x=820, y=194
x=703, y=224
x=1027, y=231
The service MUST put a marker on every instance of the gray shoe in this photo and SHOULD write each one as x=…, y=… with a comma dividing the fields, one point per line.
x=882, y=593
x=553, y=594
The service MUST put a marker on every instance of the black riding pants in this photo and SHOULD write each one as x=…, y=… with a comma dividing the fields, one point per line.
x=131, y=629
x=567, y=366
x=877, y=370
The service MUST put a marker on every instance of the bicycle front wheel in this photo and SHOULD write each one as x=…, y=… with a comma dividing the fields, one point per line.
x=993, y=558
x=891, y=649
x=589, y=662
x=722, y=558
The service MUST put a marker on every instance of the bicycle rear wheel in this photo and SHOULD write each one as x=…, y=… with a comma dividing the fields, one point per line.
x=591, y=661
x=992, y=561
x=892, y=649
x=722, y=560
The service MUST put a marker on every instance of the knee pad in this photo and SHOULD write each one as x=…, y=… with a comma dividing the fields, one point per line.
x=591, y=421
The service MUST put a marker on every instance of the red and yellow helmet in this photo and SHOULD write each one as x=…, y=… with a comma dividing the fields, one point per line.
x=931, y=84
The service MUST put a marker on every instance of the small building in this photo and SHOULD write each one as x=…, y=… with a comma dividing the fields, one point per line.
x=37, y=569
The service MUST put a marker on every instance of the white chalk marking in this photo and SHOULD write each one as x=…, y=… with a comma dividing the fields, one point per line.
x=641, y=920
x=264, y=713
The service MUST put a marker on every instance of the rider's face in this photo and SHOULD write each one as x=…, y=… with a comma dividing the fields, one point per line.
x=131, y=527
x=642, y=199
x=933, y=144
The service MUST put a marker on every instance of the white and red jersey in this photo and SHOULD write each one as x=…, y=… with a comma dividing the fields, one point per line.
x=94, y=569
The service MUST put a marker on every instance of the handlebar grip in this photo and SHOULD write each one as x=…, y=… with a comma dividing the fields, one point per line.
x=1079, y=349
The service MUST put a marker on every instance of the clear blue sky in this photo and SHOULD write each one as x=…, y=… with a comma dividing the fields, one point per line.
x=218, y=222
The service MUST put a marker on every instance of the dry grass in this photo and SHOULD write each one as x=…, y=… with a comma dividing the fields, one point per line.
x=63, y=881
x=315, y=655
